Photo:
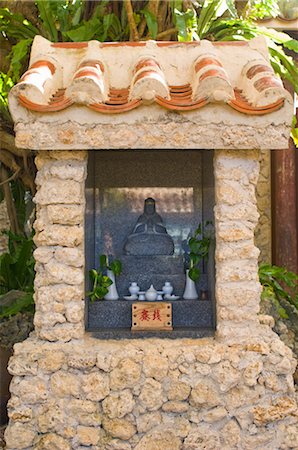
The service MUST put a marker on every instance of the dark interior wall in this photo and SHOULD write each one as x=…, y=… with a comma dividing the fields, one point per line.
x=118, y=182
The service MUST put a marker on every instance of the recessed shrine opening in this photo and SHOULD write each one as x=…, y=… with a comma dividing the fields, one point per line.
x=142, y=207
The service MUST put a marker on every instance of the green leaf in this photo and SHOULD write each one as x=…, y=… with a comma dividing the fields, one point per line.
x=45, y=8
x=21, y=303
x=151, y=21
x=194, y=273
x=14, y=25
x=186, y=25
x=194, y=259
x=211, y=10
x=18, y=54
x=260, y=9
x=282, y=312
x=103, y=262
x=232, y=8
x=294, y=131
x=85, y=32
x=116, y=267
x=292, y=44
x=107, y=23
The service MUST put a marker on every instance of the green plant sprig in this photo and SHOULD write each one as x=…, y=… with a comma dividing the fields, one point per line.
x=101, y=282
x=279, y=283
x=199, y=246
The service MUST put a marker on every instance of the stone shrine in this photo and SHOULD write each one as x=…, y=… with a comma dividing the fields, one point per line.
x=229, y=390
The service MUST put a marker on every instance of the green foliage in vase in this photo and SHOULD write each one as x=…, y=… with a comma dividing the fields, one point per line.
x=99, y=280
x=17, y=274
x=199, y=246
x=279, y=284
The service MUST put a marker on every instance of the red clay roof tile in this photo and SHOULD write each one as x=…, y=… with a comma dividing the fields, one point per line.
x=149, y=80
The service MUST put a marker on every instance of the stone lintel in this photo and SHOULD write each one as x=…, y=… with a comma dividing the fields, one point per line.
x=214, y=127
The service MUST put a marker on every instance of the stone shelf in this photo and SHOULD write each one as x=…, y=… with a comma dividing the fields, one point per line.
x=124, y=333
x=116, y=314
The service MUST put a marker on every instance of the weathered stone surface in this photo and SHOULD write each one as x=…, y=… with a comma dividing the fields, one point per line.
x=88, y=435
x=233, y=231
x=159, y=132
x=180, y=426
x=17, y=367
x=71, y=256
x=202, y=437
x=117, y=444
x=125, y=375
x=151, y=395
x=59, y=191
x=21, y=414
x=204, y=393
x=65, y=214
x=118, y=404
x=227, y=251
x=31, y=389
x=60, y=293
x=64, y=384
x=215, y=414
x=19, y=436
x=81, y=361
x=80, y=407
x=155, y=366
x=61, y=332
x=52, y=442
x=230, y=434
x=64, y=235
x=178, y=390
x=119, y=428
x=175, y=407
x=241, y=270
x=56, y=273
x=146, y=422
x=48, y=319
x=50, y=418
x=263, y=195
x=159, y=440
x=43, y=254
x=74, y=312
x=252, y=372
x=103, y=362
x=231, y=192
x=65, y=170
x=95, y=386
x=283, y=406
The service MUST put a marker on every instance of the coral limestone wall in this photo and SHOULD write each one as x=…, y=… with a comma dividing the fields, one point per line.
x=152, y=395
x=72, y=391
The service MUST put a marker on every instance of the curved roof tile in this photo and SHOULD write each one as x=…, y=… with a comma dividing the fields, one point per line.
x=114, y=78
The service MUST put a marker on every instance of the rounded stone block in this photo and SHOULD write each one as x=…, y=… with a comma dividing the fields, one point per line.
x=65, y=214
x=55, y=191
x=19, y=436
x=63, y=235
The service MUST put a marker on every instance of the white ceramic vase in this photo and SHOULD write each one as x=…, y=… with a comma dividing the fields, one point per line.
x=190, y=292
x=167, y=288
x=134, y=288
x=151, y=294
x=112, y=294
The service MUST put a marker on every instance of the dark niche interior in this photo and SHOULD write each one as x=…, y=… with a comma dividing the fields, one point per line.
x=180, y=184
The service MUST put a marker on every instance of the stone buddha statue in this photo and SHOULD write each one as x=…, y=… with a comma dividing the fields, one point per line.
x=149, y=236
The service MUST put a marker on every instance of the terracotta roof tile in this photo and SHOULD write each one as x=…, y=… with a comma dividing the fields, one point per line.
x=114, y=78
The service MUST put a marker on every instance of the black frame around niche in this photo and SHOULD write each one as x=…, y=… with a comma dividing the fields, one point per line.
x=202, y=310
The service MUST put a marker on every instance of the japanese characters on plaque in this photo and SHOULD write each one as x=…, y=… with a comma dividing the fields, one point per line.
x=152, y=316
